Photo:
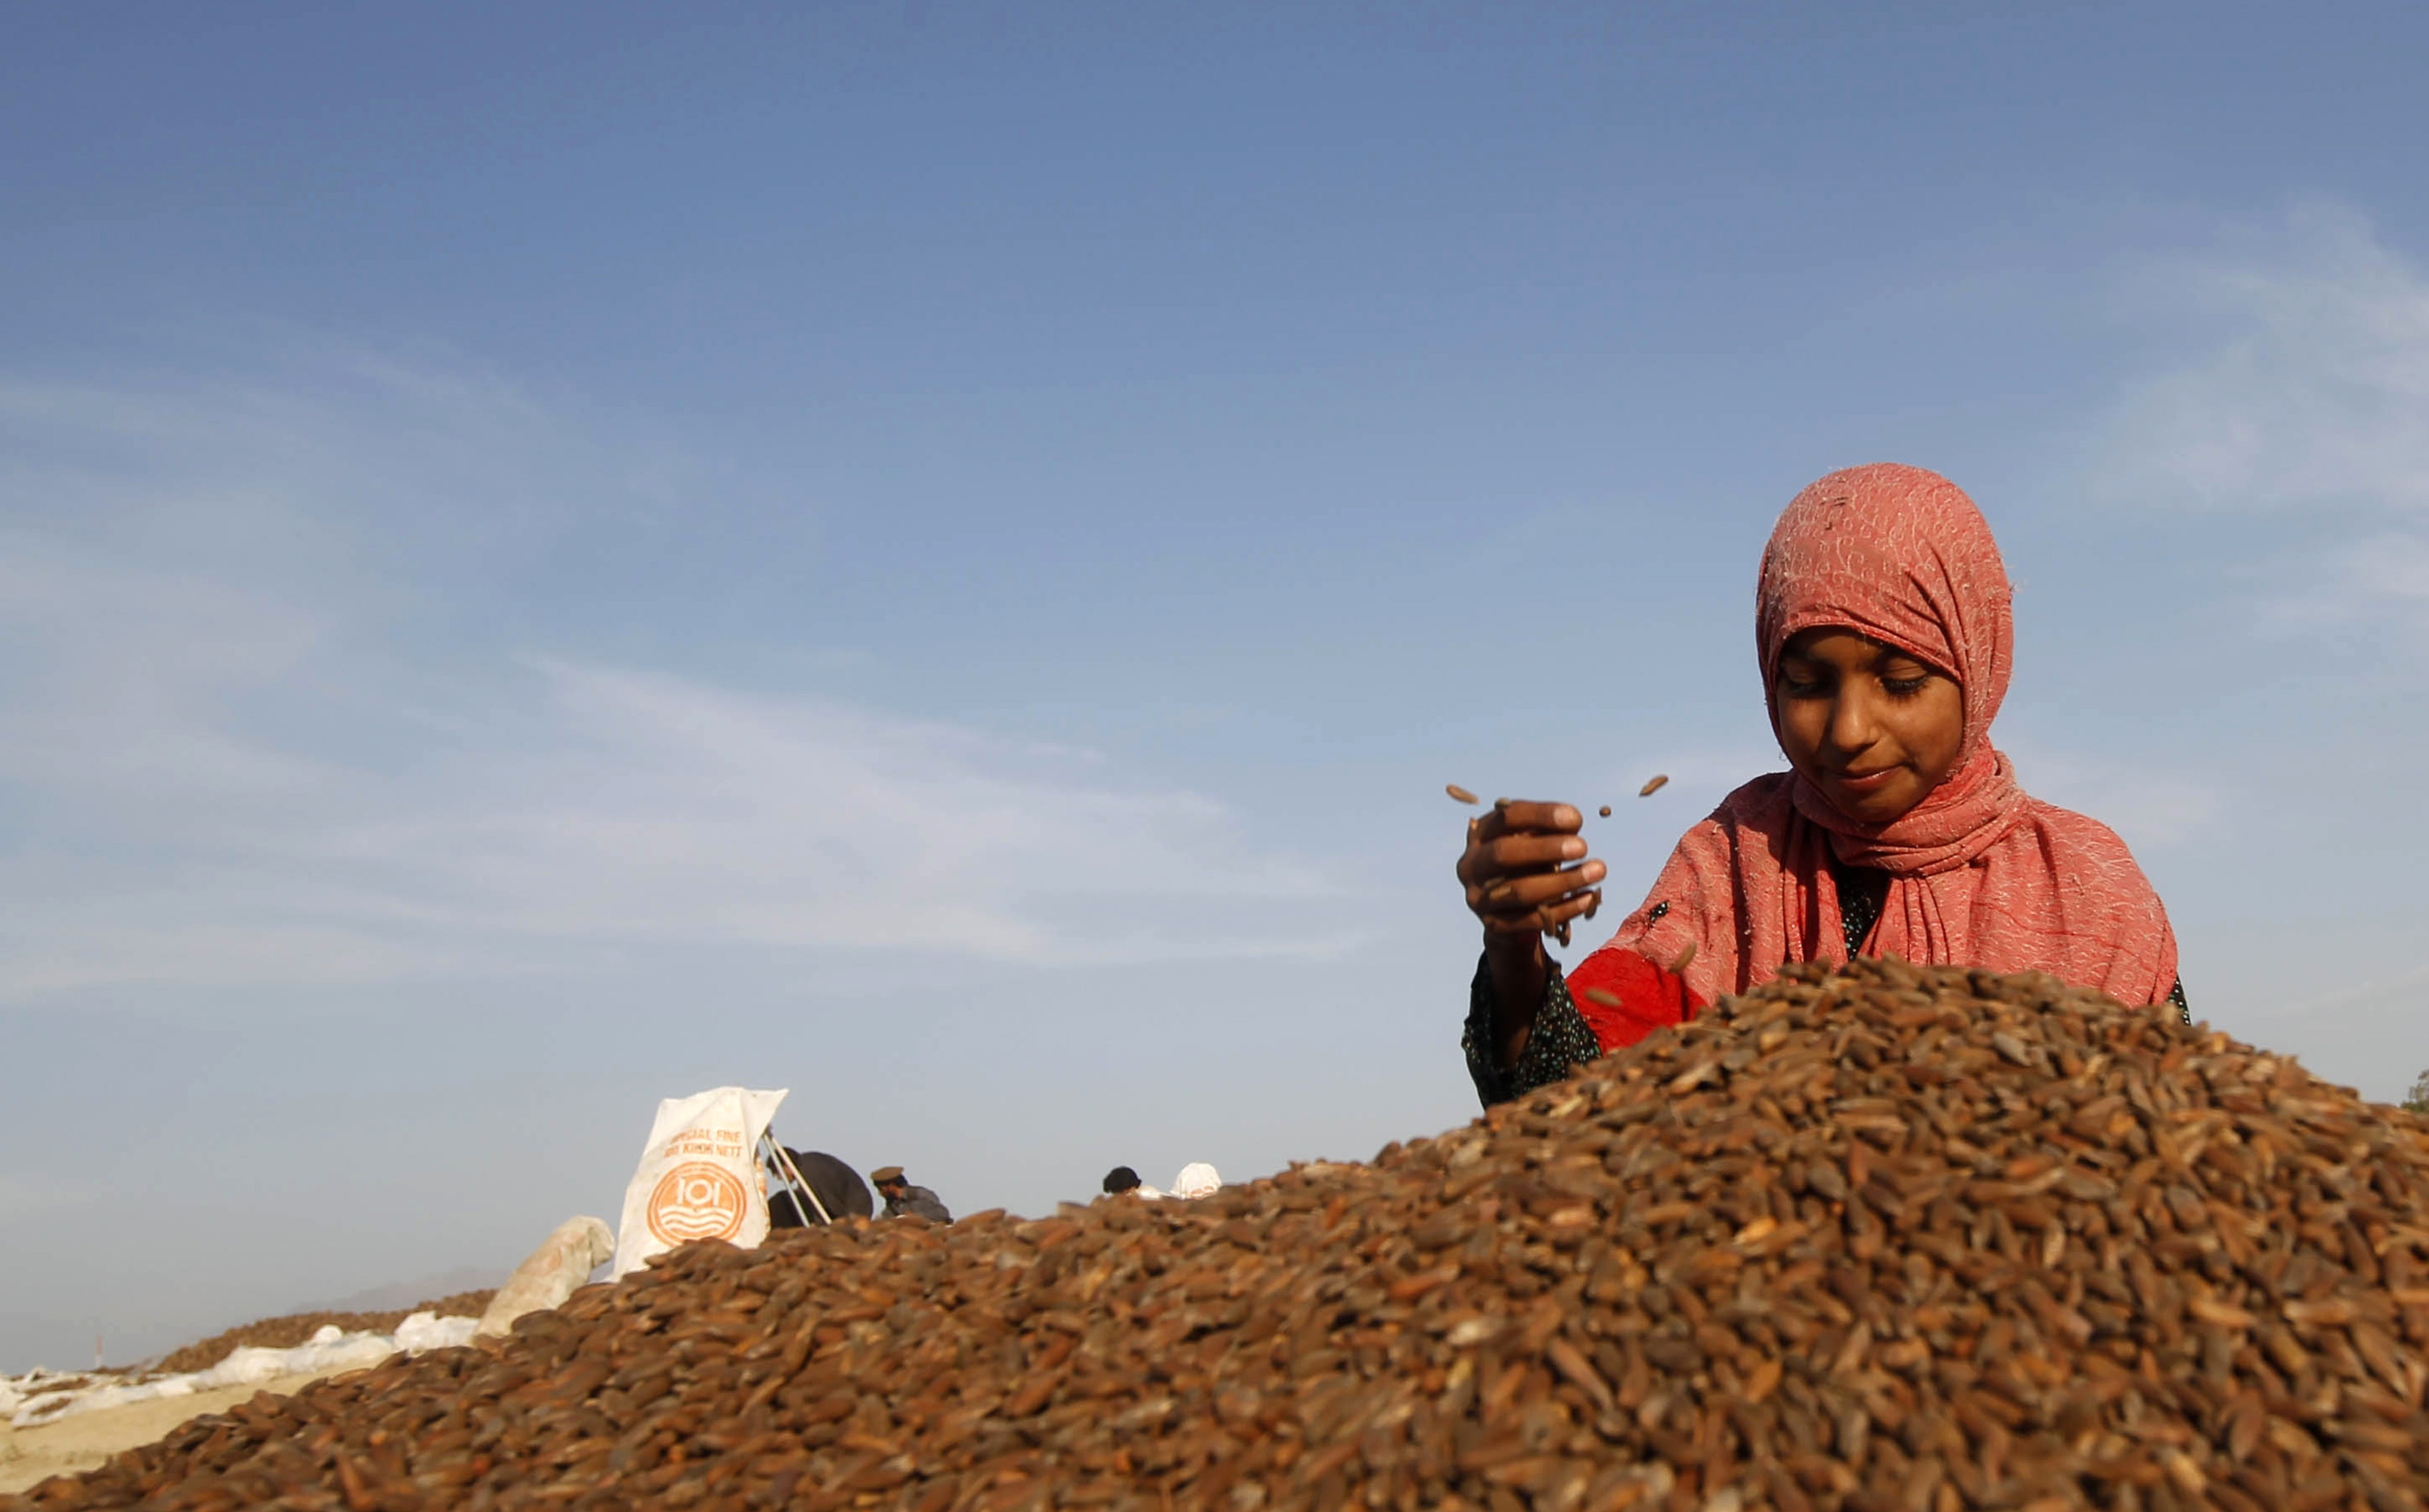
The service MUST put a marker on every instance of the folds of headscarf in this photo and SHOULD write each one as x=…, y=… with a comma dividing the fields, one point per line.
x=1980, y=873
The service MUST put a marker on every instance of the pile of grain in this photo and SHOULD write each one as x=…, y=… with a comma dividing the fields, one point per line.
x=1895, y=1240
x=298, y=1327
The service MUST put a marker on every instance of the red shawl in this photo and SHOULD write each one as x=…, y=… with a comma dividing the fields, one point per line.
x=1980, y=873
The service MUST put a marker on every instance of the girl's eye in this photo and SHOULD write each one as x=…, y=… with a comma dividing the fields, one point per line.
x=1797, y=687
x=1904, y=687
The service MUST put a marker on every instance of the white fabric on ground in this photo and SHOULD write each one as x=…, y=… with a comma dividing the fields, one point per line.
x=46, y=1396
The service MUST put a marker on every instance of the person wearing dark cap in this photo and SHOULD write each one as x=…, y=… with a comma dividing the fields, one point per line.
x=1121, y=1179
x=904, y=1199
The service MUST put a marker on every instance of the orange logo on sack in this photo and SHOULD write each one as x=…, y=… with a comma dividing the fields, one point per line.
x=696, y=1200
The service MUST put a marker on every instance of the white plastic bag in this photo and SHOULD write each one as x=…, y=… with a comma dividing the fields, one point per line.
x=699, y=1177
x=549, y=1276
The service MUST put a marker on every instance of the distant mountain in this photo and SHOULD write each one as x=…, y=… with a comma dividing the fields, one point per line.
x=405, y=1294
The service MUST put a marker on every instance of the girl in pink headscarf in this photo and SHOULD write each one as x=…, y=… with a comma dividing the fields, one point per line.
x=1881, y=620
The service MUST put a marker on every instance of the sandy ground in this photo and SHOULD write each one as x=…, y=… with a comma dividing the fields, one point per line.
x=83, y=1442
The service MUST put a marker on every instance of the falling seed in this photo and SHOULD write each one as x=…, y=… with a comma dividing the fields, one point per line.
x=1602, y=995
x=1606, y=811
x=1686, y=959
x=1654, y=786
x=1562, y=933
x=1460, y=793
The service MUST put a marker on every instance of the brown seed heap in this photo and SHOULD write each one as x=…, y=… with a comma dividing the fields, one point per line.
x=1896, y=1240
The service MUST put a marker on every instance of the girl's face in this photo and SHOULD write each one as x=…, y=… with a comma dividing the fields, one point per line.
x=1873, y=728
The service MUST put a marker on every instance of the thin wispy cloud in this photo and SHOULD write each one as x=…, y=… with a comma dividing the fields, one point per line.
x=2366, y=578
x=2311, y=389
x=641, y=806
x=246, y=770
x=2305, y=402
x=22, y=1196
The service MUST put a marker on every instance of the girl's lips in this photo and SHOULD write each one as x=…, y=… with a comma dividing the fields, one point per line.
x=1868, y=782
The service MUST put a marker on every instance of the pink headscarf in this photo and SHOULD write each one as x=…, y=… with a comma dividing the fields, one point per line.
x=1980, y=873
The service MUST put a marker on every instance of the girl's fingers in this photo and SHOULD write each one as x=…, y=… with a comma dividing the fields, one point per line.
x=1526, y=868
x=1522, y=896
x=1523, y=853
x=1514, y=856
x=1581, y=906
x=1555, y=918
x=1519, y=894
x=1517, y=816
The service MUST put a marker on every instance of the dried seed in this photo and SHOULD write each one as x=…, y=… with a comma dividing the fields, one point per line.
x=2211, y=1311
x=1652, y=786
x=1605, y=810
x=1460, y=793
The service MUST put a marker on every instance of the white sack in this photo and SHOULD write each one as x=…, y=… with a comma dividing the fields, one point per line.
x=699, y=1177
x=1197, y=1179
x=549, y=1274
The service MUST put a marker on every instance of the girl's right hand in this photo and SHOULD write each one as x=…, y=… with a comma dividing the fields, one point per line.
x=1526, y=874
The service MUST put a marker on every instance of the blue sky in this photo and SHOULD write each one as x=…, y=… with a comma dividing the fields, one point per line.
x=552, y=557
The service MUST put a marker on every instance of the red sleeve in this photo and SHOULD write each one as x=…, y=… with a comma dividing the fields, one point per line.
x=1623, y=997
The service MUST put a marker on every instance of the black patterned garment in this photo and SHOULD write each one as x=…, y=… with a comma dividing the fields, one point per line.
x=1561, y=1039
x=1558, y=1040
x=1862, y=890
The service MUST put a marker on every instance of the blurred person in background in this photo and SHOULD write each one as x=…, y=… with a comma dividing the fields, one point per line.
x=904, y=1200
x=836, y=1186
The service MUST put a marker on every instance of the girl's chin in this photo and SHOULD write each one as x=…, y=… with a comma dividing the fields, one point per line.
x=1880, y=805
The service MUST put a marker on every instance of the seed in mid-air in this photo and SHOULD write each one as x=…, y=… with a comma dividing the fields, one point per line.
x=1606, y=811
x=1686, y=959
x=1460, y=793
x=1602, y=995
x=1653, y=786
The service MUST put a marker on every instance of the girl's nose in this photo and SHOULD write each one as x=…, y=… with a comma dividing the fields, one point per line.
x=1852, y=724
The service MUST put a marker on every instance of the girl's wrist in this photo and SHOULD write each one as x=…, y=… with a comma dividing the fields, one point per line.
x=1501, y=945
